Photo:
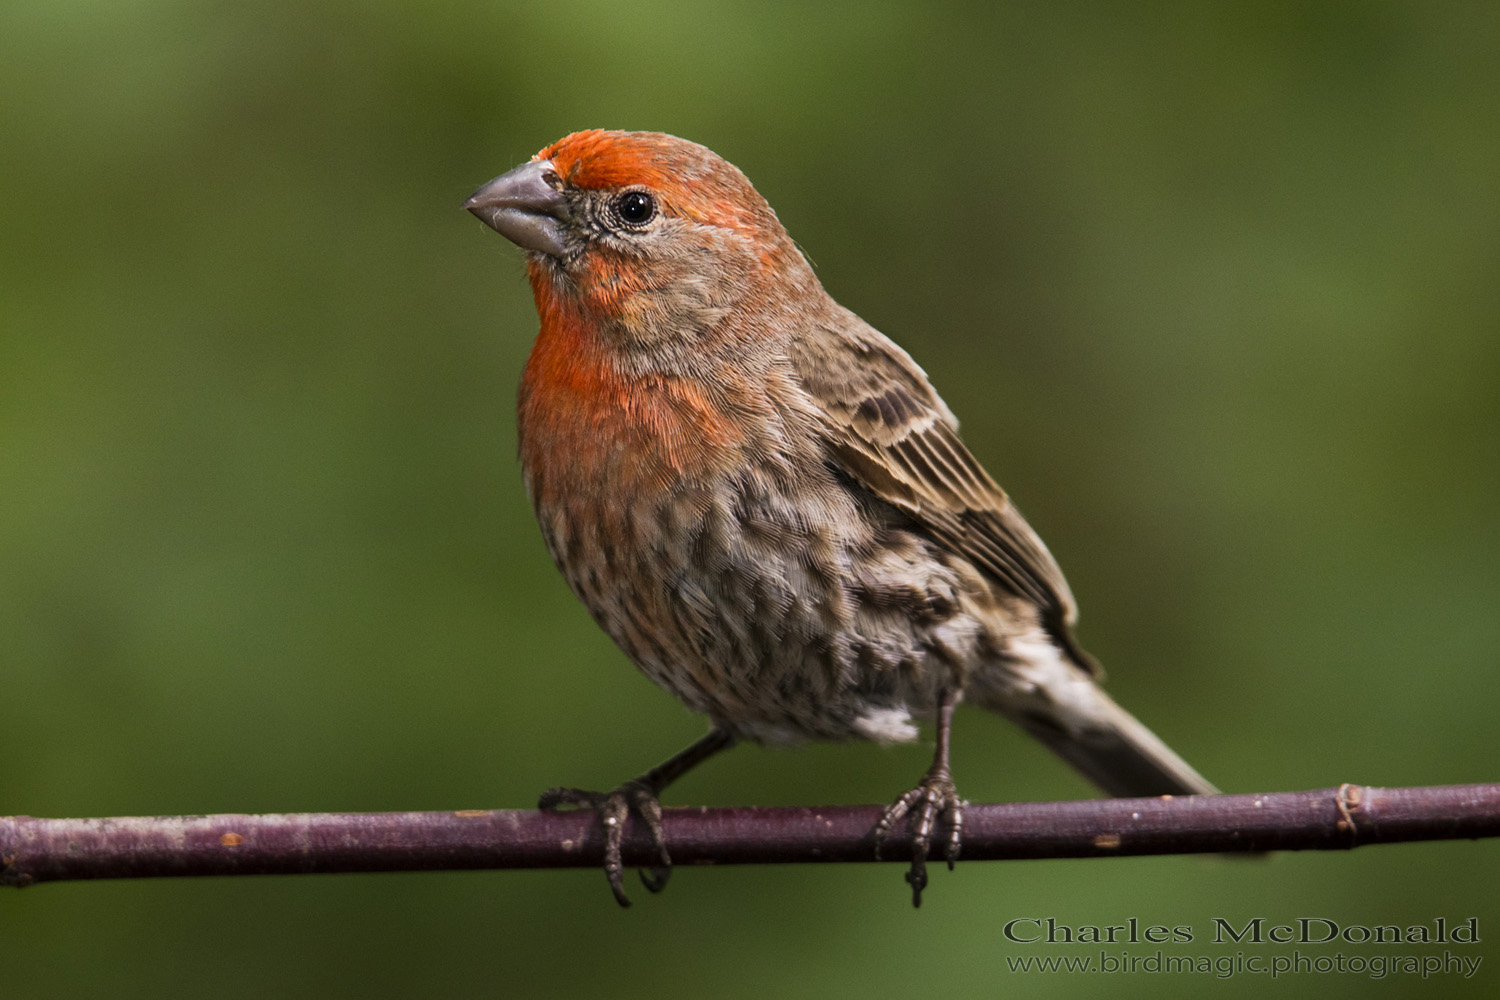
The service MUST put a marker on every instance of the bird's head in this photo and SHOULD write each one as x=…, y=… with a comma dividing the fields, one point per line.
x=658, y=238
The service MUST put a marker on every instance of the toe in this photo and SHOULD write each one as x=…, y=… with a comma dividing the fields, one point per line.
x=612, y=814
x=648, y=807
x=893, y=814
x=552, y=798
x=953, y=815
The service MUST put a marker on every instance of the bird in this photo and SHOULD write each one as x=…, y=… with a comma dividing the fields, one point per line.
x=763, y=501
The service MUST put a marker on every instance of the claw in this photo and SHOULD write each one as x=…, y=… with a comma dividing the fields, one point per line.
x=655, y=877
x=934, y=796
x=614, y=809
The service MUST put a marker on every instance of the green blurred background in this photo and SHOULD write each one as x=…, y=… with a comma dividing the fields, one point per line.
x=1215, y=294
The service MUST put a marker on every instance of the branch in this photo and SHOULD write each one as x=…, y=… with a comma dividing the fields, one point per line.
x=47, y=850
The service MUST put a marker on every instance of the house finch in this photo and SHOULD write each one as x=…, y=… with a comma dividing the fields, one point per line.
x=763, y=501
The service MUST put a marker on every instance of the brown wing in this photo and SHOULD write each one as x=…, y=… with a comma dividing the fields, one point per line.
x=893, y=433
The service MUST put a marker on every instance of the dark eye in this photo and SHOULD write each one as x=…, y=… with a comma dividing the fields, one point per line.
x=635, y=208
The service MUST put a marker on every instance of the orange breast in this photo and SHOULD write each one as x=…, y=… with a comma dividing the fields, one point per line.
x=590, y=427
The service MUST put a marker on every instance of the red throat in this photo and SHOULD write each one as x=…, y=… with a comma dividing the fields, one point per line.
x=591, y=427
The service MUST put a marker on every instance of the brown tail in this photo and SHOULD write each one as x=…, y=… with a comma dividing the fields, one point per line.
x=1114, y=750
x=1050, y=695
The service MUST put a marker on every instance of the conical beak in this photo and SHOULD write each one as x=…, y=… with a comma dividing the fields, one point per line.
x=523, y=207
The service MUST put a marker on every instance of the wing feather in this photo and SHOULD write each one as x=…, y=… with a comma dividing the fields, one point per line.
x=892, y=433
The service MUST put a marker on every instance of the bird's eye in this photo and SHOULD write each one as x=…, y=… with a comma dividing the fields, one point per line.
x=635, y=208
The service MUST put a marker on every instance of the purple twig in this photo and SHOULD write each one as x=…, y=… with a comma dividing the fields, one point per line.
x=46, y=850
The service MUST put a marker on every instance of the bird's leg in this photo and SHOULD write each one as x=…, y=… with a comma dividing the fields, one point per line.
x=936, y=794
x=638, y=796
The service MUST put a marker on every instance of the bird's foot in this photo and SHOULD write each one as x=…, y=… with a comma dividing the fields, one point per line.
x=935, y=796
x=614, y=809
